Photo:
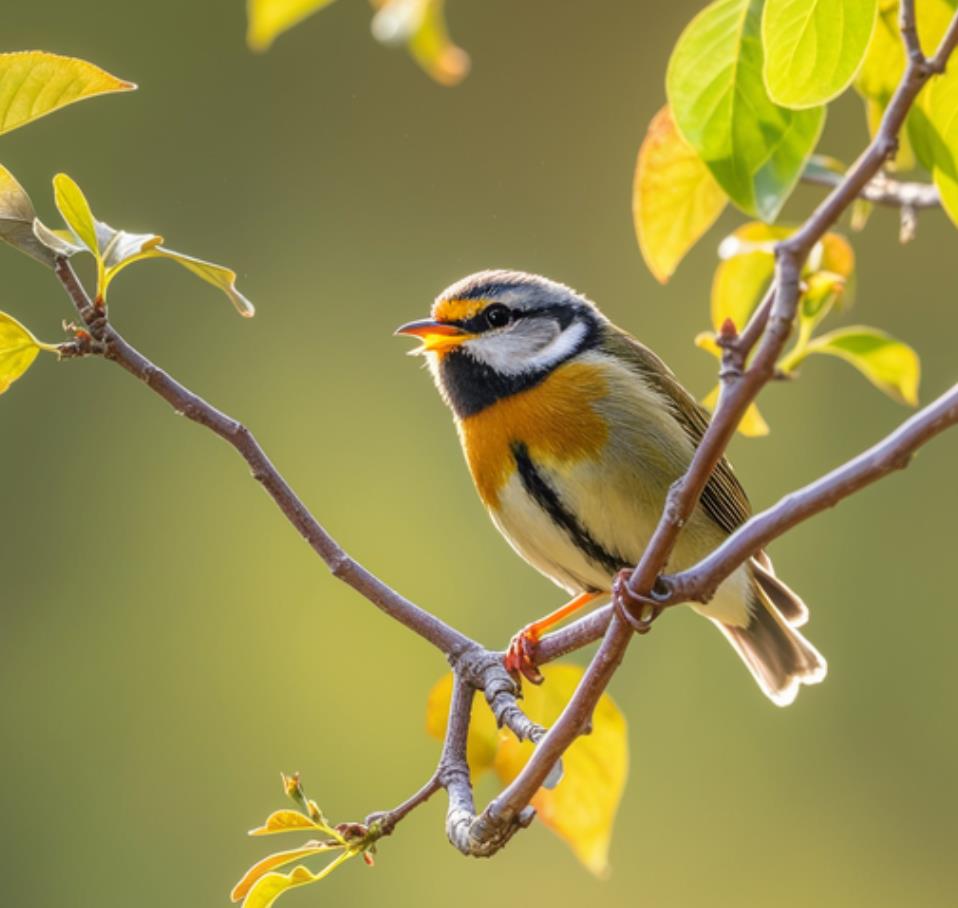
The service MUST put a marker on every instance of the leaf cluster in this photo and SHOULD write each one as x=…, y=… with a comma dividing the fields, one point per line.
x=748, y=85
x=32, y=85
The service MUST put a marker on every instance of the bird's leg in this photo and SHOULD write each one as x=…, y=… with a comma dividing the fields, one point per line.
x=520, y=657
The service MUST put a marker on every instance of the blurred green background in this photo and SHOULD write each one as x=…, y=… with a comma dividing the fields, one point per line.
x=168, y=644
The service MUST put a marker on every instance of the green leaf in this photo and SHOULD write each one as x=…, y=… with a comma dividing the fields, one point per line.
x=16, y=220
x=675, y=198
x=884, y=65
x=267, y=19
x=937, y=125
x=754, y=148
x=889, y=364
x=813, y=48
x=34, y=83
x=18, y=350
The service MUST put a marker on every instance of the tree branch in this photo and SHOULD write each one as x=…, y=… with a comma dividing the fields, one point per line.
x=740, y=385
x=193, y=407
x=883, y=190
x=891, y=453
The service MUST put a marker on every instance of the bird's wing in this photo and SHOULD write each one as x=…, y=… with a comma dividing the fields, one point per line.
x=723, y=499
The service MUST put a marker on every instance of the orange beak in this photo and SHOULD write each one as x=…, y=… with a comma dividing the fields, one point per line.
x=437, y=337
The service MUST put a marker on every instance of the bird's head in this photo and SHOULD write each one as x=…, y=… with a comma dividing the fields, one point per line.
x=499, y=332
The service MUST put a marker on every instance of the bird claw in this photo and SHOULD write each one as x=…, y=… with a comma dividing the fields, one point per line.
x=638, y=611
x=520, y=656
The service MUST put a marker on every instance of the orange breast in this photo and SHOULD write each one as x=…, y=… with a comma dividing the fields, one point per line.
x=556, y=420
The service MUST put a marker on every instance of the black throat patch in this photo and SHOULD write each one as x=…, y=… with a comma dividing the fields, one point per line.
x=471, y=385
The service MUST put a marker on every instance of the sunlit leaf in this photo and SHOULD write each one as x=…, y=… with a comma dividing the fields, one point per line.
x=754, y=148
x=217, y=275
x=267, y=19
x=18, y=350
x=280, y=859
x=748, y=265
x=887, y=363
x=813, y=48
x=75, y=211
x=34, y=83
x=287, y=820
x=675, y=198
x=117, y=249
x=581, y=808
x=745, y=272
x=483, y=740
x=884, y=65
x=937, y=125
x=823, y=289
x=271, y=886
x=16, y=220
x=59, y=242
x=752, y=424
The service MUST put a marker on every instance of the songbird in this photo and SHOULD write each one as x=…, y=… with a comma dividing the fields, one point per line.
x=573, y=432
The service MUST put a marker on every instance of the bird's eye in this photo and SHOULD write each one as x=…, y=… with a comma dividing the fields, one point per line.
x=497, y=315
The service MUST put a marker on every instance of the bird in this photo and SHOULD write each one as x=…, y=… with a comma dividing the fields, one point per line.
x=573, y=432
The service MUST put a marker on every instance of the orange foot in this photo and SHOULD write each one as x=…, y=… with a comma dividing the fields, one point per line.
x=520, y=656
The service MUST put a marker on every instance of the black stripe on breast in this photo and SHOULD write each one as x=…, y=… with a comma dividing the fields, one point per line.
x=548, y=499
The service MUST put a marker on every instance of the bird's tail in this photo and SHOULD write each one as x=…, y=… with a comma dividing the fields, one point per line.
x=778, y=656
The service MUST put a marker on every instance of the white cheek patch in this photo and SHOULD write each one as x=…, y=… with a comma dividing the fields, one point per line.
x=512, y=352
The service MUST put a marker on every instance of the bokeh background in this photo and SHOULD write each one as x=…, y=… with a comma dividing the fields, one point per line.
x=168, y=644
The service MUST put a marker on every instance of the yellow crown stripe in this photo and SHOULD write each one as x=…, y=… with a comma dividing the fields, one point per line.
x=457, y=310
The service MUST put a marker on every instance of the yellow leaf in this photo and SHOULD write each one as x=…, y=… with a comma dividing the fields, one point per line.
x=75, y=211
x=675, y=198
x=744, y=274
x=260, y=868
x=483, y=740
x=837, y=256
x=287, y=820
x=34, y=83
x=16, y=220
x=889, y=364
x=18, y=350
x=267, y=19
x=270, y=887
x=752, y=424
x=748, y=264
x=582, y=807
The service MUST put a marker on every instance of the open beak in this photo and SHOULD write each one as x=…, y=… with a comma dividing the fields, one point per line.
x=436, y=336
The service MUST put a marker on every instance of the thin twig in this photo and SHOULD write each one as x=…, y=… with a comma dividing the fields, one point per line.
x=883, y=190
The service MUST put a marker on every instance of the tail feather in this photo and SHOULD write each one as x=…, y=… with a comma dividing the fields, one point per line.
x=786, y=600
x=778, y=656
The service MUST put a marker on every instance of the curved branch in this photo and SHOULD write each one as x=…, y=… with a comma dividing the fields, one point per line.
x=193, y=407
